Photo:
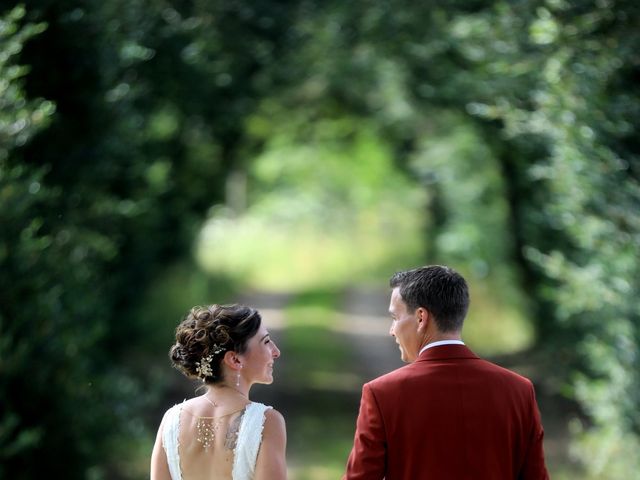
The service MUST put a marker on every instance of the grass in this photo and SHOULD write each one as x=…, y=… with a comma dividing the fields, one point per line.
x=310, y=341
x=322, y=445
x=322, y=405
x=267, y=256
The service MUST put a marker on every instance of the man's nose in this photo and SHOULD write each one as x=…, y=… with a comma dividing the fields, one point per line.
x=391, y=329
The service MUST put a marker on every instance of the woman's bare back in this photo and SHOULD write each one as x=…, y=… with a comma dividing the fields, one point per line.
x=207, y=444
x=223, y=446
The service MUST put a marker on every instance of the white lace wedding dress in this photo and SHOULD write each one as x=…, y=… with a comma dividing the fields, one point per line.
x=246, y=449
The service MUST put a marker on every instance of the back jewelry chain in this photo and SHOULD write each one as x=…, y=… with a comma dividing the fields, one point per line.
x=208, y=427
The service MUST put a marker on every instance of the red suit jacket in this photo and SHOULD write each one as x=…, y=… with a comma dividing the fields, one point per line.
x=448, y=416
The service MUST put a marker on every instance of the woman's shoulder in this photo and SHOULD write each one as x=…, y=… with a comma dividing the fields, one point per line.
x=273, y=420
x=272, y=417
x=274, y=431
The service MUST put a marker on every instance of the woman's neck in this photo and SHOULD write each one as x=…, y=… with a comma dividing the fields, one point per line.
x=224, y=389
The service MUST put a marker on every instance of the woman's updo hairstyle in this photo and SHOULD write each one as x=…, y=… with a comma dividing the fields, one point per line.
x=207, y=333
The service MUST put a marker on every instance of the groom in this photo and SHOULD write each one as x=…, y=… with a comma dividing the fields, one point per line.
x=448, y=415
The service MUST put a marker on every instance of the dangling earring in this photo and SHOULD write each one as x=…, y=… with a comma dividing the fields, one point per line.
x=238, y=377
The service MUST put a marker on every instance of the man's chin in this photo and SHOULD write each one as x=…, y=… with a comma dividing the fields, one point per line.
x=404, y=357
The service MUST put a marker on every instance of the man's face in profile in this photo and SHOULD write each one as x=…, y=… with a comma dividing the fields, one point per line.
x=404, y=327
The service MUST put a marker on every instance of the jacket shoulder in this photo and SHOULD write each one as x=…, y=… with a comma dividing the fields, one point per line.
x=480, y=366
x=507, y=373
x=395, y=376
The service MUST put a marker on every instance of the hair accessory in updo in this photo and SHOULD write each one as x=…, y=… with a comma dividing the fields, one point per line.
x=203, y=367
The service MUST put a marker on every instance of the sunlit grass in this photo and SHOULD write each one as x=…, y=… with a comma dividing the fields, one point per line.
x=310, y=339
x=317, y=472
x=322, y=445
x=267, y=255
x=321, y=430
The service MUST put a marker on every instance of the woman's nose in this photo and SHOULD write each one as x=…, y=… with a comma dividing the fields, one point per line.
x=276, y=351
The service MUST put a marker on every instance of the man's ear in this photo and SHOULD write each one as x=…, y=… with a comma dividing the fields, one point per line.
x=423, y=317
x=232, y=360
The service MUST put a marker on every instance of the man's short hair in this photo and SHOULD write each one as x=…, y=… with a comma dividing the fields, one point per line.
x=439, y=289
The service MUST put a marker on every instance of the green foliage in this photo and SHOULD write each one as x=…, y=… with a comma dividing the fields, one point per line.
x=19, y=118
x=98, y=202
x=585, y=233
x=89, y=213
x=20, y=194
x=123, y=122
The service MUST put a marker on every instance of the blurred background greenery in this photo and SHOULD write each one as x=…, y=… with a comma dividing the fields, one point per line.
x=159, y=154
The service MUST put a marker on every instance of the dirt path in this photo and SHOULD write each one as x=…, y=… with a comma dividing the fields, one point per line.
x=363, y=327
x=366, y=324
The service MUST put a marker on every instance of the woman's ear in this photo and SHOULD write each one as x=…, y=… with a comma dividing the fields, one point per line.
x=232, y=360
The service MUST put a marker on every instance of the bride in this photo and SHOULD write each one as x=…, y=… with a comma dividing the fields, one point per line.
x=222, y=434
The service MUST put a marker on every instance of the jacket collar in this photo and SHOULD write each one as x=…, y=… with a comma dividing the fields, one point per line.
x=444, y=352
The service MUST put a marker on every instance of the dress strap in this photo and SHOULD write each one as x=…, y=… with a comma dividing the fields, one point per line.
x=171, y=440
x=249, y=439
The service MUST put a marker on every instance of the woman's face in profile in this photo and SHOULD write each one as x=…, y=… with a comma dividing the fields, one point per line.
x=258, y=359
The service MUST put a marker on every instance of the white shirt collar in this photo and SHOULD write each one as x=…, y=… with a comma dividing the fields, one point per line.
x=440, y=342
